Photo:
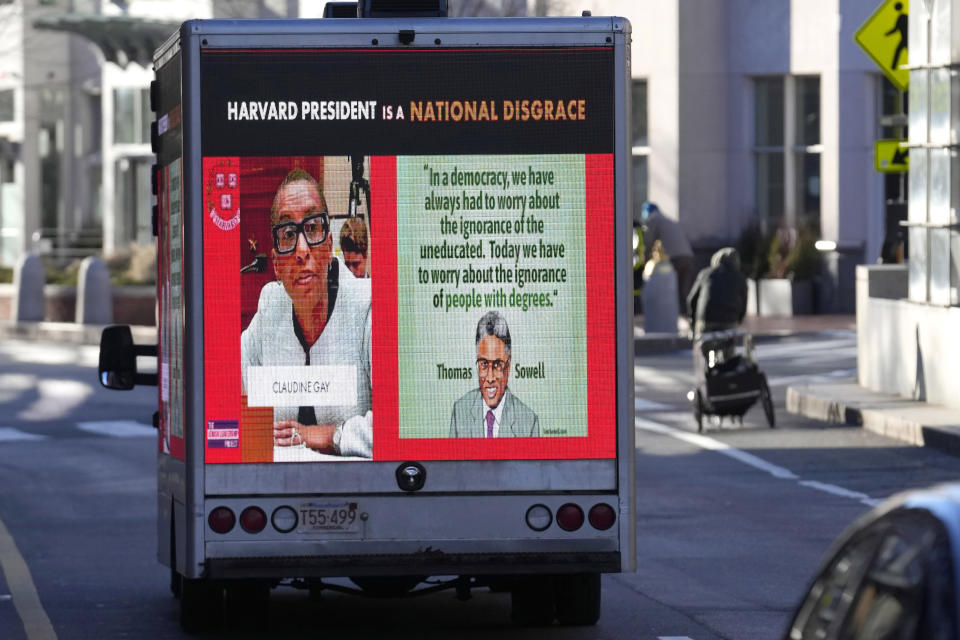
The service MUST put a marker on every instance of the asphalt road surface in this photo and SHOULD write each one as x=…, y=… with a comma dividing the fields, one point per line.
x=731, y=523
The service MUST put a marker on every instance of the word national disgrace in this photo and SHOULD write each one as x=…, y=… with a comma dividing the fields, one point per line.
x=492, y=111
x=302, y=110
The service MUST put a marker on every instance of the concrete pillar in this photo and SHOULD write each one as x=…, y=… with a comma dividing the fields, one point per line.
x=94, y=293
x=660, y=305
x=29, y=278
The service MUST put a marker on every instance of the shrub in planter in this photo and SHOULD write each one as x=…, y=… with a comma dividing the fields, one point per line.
x=793, y=254
x=794, y=263
x=752, y=245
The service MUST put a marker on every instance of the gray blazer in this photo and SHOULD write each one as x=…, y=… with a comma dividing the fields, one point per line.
x=516, y=421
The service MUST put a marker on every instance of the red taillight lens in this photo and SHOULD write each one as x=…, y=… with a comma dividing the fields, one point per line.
x=602, y=516
x=570, y=517
x=221, y=520
x=253, y=519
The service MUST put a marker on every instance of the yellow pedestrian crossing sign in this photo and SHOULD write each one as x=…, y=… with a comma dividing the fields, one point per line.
x=890, y=157
x=884, y=37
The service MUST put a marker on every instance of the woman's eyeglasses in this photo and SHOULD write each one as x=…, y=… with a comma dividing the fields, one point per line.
x=314, y=228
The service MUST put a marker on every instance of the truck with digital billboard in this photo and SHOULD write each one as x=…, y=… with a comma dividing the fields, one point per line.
x=395, y=321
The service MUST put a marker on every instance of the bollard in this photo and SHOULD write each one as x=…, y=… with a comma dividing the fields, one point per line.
x=660, y=310
x=29, y=279
x=94, y=293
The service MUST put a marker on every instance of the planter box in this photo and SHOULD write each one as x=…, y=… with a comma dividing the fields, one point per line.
x=784, y=297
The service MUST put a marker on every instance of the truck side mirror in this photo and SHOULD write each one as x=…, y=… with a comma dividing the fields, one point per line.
x=118, y=360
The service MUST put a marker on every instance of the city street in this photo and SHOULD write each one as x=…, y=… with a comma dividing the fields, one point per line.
x=730, y=526
x=492, y=209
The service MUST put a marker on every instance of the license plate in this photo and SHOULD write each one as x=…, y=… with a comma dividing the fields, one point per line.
x=337, y=517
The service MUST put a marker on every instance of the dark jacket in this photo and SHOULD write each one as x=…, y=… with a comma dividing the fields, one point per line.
x=718, y=298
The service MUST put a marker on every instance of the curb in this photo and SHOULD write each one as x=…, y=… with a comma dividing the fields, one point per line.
x=910, y=421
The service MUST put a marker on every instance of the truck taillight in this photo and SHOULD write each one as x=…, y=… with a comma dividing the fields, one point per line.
x=221, y=519
x=539, y=517
x=253, y=519
x=602, y=516
x=570, y=517
x=284, y=519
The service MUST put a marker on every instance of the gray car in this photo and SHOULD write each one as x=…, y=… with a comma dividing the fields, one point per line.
x=891, y=574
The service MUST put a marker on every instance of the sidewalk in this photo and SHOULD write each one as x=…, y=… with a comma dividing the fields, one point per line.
x=846, y=402
x=68, y=332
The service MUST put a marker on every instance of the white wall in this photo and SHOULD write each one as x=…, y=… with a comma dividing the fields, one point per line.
x=11, y=77
x=655, y=57
x=705, y=89
x=906, y=348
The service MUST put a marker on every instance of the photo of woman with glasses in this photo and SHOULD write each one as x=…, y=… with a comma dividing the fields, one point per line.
x=493, y=411
x=314, y=314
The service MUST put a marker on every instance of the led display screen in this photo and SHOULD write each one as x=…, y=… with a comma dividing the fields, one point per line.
x=408, y=254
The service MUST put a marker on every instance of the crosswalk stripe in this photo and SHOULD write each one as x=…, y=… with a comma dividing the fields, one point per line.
x=118, y=428
x=8, y=434
x=641, y=404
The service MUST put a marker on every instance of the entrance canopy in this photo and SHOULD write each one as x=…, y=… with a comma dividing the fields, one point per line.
x=122, y=39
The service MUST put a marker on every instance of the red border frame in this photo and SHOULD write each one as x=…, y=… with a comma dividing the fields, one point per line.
x=601, y=337
x=222, y=333
x=221, y=316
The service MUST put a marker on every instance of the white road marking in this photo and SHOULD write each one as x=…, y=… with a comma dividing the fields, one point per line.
x=840, y=491
x=8, y=434
x=654, y=378
x=51, y=353
x=674, y=638
x=710, y=444
x=12, y=385
x=118, y=428
x=56, y=399
x=36, y=623
x=649, y=405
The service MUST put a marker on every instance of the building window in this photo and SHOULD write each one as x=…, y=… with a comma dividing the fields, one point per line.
x=806, y=151
x=6, y=105
x=131, y=115
x=768, y=150
x=640, y=142
x=892, y=125
x=787, y=151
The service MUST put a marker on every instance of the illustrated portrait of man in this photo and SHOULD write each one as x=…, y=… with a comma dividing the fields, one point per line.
x=354, y=246
x=315, y=316
x=492, y=410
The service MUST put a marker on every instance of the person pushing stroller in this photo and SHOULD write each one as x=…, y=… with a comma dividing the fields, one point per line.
x=728, y=381
x=718, y=298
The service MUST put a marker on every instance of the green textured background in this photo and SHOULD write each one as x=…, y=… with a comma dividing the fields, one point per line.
x=555, y=335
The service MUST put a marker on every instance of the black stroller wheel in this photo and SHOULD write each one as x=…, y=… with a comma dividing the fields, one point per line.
x=767, y=401
x=698, y=410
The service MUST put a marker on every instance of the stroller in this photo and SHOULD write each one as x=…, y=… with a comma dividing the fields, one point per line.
x=727, y=378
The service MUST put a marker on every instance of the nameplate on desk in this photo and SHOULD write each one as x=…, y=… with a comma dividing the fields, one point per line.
x=296, y=386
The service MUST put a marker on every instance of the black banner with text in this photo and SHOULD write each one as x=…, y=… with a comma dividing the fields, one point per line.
x=406, y=102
